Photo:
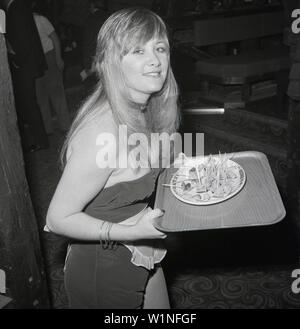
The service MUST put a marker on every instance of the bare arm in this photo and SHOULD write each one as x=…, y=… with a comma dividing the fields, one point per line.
x=56, y=43
x=81, y=181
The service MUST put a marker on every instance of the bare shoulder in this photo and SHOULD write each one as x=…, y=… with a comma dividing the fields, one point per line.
x=91, y=137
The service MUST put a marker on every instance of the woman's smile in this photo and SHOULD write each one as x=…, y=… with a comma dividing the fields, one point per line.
x=153, y=74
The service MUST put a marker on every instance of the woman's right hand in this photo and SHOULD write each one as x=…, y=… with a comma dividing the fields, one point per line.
x=144, y=228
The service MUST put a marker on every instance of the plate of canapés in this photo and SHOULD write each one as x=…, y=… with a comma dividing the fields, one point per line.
x=207, y=180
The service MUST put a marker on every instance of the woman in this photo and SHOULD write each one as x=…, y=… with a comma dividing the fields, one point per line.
x=50, y=88
x=96, y=201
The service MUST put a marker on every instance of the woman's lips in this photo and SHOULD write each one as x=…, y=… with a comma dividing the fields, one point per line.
x=153, y=74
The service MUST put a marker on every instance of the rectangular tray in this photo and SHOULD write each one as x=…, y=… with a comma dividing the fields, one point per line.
x=258, y=203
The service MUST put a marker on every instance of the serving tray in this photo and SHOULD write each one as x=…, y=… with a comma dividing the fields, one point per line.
x=258, y=203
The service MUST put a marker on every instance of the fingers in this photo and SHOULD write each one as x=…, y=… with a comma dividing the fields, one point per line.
x=159, y=234
x=162, y=235
x=151, y=217
x=156, y=213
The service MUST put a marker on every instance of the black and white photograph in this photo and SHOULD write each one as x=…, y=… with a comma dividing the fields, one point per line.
x=149, y=157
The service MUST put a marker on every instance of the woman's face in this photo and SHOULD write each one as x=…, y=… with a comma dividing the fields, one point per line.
x=145, y=69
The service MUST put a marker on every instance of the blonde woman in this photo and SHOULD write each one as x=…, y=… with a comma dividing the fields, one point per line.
x=98, y=203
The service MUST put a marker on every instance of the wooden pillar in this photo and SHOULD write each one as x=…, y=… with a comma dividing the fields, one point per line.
x=20, y=250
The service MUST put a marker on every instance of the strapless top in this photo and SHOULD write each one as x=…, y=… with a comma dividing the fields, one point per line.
x=122, y=201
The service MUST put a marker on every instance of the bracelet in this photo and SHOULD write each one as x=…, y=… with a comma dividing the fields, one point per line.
x=107, y=235
x=111, y=243
x=108, y=231
x=100, y=234
x=104, y=240
x=104, y=236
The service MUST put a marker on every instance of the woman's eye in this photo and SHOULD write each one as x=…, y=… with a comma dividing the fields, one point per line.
x=138, y=51
x=161, y=49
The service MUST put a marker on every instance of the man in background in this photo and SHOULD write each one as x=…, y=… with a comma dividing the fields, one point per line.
x=27, y=62
x=95, y=20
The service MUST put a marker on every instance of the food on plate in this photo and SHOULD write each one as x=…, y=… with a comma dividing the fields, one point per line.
x=212, y=177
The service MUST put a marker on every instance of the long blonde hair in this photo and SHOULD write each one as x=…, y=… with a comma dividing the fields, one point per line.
x=121, y=32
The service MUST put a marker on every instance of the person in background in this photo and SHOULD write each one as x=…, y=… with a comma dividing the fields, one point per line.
x=27, y=62
x=50, y=88
x=92, y=27
x=114, y=257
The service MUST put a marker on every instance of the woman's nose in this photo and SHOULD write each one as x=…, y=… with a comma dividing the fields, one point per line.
x=154, y=59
